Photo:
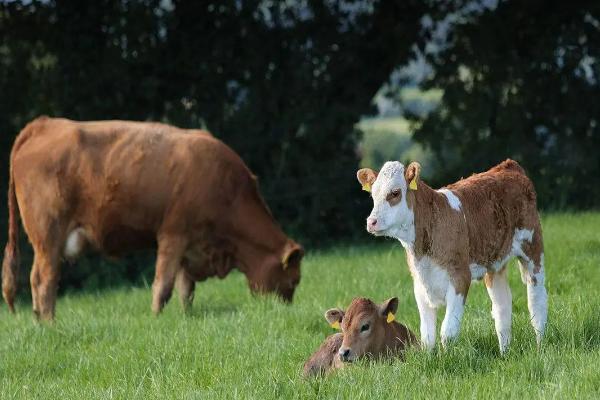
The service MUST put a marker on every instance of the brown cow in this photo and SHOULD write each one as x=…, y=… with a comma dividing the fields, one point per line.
x=117, y=186
x=367, y=329
x=465, y=231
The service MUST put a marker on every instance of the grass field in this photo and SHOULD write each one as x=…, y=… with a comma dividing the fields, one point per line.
x=233, y=345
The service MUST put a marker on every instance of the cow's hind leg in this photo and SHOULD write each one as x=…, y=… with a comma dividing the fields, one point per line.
x=185, y=287
x=532, y=272
x=34, y=279
x=499, y=292
x=168, y=263
x=45, y=274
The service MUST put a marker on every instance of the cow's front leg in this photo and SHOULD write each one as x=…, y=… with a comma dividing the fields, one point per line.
x=428, y=315
x=168, y=261
x=455, y=305
x=185, y=286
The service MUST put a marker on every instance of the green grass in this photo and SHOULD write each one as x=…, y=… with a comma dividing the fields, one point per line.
x=233, y=345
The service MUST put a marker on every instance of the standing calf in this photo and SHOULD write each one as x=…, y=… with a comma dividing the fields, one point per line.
x=465, y=231
x=367, y=329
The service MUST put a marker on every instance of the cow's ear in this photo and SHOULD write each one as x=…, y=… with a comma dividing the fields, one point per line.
x=334, y=316
x=292, y=254
x=389, y=308
x=366, y=177
x=412, y=174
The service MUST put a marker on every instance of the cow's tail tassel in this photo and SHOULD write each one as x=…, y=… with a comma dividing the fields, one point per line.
x=10, y=265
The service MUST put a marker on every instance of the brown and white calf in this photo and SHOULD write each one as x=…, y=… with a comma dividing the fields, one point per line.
x=367, y=329
x=465, y=231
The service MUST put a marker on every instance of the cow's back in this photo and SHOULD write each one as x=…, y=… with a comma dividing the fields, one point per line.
x=118, y=180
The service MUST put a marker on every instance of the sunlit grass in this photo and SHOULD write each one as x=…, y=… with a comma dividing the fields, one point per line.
x=233, y=345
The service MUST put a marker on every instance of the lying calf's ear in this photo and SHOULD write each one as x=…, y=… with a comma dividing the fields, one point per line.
x=388, y=309
x=412, y=174
x=366, y=177
x=334, y=316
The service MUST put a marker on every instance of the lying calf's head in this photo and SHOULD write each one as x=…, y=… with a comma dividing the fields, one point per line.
x=364, y=327
x=391, y=215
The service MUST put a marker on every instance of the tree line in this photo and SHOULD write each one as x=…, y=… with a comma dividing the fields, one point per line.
x=284, y=84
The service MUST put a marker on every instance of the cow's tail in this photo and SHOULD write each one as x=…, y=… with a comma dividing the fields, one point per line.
x=10, y=265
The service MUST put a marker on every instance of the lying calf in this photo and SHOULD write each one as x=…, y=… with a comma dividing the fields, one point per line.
x=326, y=357
x=367, y=329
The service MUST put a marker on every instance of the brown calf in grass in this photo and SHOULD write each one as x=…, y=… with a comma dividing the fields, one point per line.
x=326, y=357
x=368, y=329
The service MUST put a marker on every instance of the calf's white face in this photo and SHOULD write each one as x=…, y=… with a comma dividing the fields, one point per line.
x=391, y=215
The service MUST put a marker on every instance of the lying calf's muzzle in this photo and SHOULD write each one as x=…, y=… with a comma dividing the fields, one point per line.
x=346, y=354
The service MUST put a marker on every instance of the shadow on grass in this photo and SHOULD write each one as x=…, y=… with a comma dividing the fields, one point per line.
x=200, y=311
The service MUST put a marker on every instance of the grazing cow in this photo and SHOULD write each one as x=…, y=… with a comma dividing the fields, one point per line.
x=117, y=186
x=465, y=231
x=367, y=329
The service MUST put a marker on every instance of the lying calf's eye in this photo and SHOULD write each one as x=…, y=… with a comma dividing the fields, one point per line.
x=364, y=328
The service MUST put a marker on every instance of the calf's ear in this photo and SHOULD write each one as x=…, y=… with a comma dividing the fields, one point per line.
x=334, y=317
x=389, y=308
x=412, y=174
x=366, y=177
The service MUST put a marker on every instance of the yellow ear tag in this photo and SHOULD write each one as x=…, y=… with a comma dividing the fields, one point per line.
x=336, y=325
x=366, y=187
x=390, y=318
x=413, y=184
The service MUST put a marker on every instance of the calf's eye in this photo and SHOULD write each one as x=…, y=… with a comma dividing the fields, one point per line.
x=364, y=328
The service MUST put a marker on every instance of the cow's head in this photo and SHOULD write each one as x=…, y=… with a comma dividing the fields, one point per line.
x=279, y=274
x=363, y=325
x=391, y=215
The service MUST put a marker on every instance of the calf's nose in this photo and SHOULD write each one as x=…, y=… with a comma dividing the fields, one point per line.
x=344, y=354
x=371, y=221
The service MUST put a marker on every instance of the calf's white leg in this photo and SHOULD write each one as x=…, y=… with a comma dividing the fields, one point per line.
x=427, y=314
x=537, y=298
x=455, y=305
x=499, y=292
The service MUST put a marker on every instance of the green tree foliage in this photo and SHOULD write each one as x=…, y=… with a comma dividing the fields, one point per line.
x=283, y=83
x=521, y=81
